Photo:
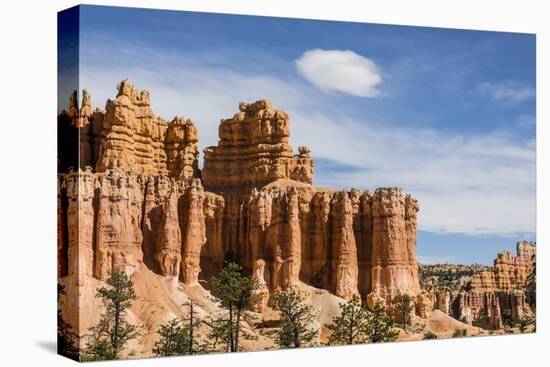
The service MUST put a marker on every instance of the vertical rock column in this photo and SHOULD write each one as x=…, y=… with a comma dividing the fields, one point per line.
x=80, y=224
x=168, y=243
x=157, y=190
x=394, y=268
x=213, y=211
x=492, y=305
x=518, y=304
x=86, y=222
x=90, y=123
x=195, y=234
x=260, y=296
x=73, y=228
x=274, y=236
x=364, y=243
x=345, y=250
x=292, y=249
x=258, y=218
x=443, y=301
x=118, y=229
x=320, y=249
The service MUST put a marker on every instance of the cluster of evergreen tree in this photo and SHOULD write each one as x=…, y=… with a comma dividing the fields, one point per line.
x=233, y=290
x=356, y=324
x=179, y=337
x=295, y=330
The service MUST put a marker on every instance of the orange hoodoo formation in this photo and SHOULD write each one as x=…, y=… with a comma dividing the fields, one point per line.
x=503, y=289
x=138, y=197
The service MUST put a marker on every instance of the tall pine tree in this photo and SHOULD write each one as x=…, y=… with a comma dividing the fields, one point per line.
x=174, y=339
x=351, y=326
x=111, y=334
x=296, y=319
x=219, y=336
x=179, y=337
x=380, y=327
x=233, y=289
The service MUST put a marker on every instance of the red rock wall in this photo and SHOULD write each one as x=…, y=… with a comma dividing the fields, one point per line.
x=145, y=204
x=503, y=287
x=253, y=151
x=128, y=135
x=394, y=268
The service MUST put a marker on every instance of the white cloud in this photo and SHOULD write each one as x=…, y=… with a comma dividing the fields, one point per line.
x=507, y=91
x=465, y=184
x=476, y=184
x=340, y=71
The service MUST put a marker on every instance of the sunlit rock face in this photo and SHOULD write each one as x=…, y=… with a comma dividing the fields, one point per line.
x=139, y=199
x=502, y=289
x=253, y=151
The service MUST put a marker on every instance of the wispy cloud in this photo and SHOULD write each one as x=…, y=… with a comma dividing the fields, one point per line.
x=510, y=91
x=465, y=183
x=340, y=71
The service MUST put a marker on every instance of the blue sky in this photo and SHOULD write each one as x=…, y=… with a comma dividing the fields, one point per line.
x=449, y=115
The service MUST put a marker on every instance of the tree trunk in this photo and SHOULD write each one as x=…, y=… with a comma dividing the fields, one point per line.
x=231, y=335
x=114, y=341
x=297, y=343
x=237, y=328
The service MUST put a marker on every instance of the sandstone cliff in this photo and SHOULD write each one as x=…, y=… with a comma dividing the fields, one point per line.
x=253, y=151
x=137, y=200
x=129, y=136
x=500, y=295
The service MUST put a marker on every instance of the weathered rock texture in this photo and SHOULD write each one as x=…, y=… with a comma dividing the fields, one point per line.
x=260, y=296
x=253, y=151
x=502, y=291
x=394, y=268
x=128, y=135
x=139, y=199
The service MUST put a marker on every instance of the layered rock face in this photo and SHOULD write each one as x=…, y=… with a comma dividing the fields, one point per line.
x=509, y=271
x=394, y=267
x=500, y=291
x=128, y=135
x=142, y=201
x=253, y=151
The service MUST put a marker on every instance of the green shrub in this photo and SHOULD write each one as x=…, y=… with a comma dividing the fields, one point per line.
x=459, y=333
x=429, y=335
